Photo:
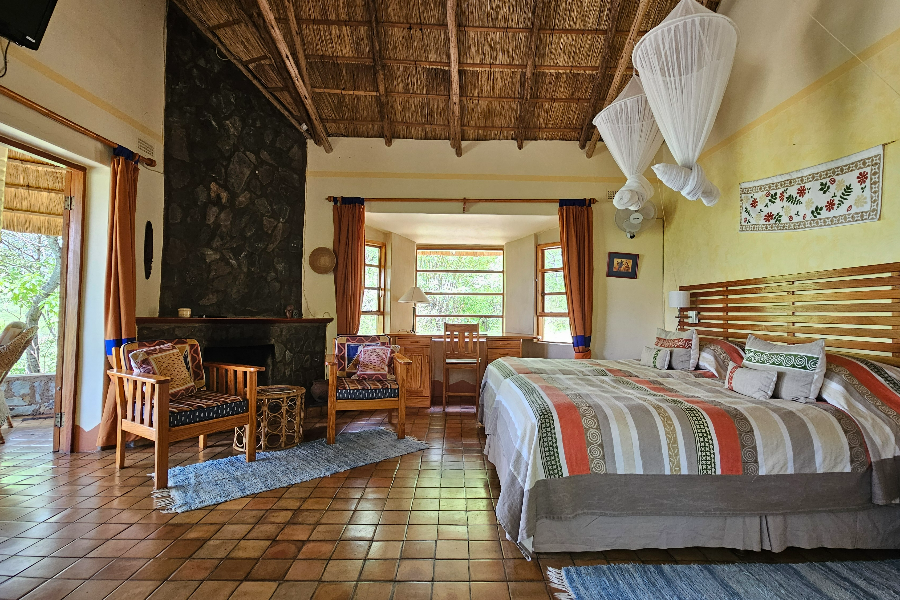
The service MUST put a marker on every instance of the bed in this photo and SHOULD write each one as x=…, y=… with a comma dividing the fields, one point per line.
x=602, y=454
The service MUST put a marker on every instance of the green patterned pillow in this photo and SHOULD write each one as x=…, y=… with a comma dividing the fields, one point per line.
x=658, y=358
x=800, y=367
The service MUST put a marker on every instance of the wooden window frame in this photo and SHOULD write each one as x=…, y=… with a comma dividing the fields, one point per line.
x=502, y=272
x=382, y=251
x=540, y=294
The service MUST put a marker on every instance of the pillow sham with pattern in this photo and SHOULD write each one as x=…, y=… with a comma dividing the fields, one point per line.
x=658, y=358
x=800, y=367
x=750, y=382
x=716, y=353
x=684, y=345
x=374, y=362
x=165, y=360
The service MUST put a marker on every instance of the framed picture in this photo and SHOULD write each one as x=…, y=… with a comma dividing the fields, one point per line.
x=621, y=264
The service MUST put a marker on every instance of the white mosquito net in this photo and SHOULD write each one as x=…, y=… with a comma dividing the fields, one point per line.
x=632, y=136
x=684, y=64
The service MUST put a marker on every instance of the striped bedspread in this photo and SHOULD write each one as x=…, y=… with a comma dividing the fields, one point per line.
x=549, y=426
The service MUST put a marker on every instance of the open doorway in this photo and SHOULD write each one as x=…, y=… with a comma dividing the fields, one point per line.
x=40, y=273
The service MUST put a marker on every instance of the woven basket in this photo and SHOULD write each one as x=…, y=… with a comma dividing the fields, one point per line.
x=321, y=260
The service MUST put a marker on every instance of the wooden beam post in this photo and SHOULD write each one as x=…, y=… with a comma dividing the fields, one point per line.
x=528, y=81
x=271, y=36
x=605, y=53
x=455, y=128
x=299, y=52
x=624, y=61
x=383, y=100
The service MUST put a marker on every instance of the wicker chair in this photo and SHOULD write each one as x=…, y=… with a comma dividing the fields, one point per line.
x=10, y=353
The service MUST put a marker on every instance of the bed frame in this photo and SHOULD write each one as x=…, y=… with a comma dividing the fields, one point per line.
x=855, y=310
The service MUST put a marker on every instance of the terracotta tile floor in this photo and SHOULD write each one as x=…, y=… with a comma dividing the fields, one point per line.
x=417, y=527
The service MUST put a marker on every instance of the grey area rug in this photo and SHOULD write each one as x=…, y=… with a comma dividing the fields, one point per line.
x=216, y=481
x=745, y=581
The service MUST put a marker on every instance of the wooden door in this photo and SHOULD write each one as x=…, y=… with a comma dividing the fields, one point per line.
x=418, y=380
x=69, y=311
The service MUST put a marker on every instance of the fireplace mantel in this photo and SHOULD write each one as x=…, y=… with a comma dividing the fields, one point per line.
x=227, y=321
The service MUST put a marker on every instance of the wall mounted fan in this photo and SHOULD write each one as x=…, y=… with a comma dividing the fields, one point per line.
x=633, y=222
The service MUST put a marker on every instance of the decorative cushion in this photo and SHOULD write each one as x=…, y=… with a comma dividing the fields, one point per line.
x=750, y=382
x=658, y=358
x=716, y=353
x=164, y=360
x=189, y=348
x=204, y=406
x=800, y=367
x=373, y=362
x=366, y=389
x=346, y=348
x=684, y=345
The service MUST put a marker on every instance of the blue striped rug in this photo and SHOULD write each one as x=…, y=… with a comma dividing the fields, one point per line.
x=879, y=580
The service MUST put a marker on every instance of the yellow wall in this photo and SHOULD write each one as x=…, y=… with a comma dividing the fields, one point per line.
x=845, y=109
x=626, y=312
x=101, y=65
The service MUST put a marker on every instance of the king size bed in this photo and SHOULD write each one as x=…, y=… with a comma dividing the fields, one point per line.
x=596, y=455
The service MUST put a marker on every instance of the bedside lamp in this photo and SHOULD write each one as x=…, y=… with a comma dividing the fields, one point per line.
x=680, y=300
x=414, y=296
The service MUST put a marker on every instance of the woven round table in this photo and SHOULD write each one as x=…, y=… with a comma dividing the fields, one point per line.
x=279, y=418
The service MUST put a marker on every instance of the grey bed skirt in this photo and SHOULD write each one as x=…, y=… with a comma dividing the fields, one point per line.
x=875, y=527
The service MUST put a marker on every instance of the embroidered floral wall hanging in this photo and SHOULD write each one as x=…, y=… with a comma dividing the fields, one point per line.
x=841, y=192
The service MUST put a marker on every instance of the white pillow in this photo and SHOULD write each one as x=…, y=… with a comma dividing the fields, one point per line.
x=685, y=347
x=800, y=367
x=658, y=358
x=750, y=382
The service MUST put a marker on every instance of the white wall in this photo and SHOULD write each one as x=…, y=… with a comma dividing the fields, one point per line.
x=518, y=284
x=101, y=64
x=626, y=312
x=403, y=277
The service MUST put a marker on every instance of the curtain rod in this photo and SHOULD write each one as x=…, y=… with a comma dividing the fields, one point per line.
x=67, y=122
x=330, y=200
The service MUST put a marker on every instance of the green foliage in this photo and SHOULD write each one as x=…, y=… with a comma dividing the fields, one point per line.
x=462, y=260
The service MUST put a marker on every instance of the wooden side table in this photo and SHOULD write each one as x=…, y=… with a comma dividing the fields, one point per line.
x=279, y=418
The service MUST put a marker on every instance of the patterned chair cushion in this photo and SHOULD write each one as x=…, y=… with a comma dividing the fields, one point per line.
x=190, y=351
x=366, y=389
x=167, y=361
x=373, y=361
x=204, y=406
x=346, y=347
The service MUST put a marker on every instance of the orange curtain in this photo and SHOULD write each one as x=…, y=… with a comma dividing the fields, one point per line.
x=576, y=235
x=120, y=274
x=350, y=255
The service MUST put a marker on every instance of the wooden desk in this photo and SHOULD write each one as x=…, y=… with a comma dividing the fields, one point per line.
x=418, y=348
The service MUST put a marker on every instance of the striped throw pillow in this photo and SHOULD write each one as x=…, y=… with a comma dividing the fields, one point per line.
x=800, y=367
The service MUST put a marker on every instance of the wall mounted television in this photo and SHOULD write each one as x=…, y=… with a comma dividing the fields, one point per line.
x=25, y=21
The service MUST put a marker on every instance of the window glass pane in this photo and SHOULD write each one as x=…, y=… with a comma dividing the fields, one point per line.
x=435, y=325
x=553, y=258
x=370, y=325
x=472, y=260
x=370, y=300
x=373, y=254
x=373, y=277
x=461, y=282
x=555, y=304
x=556, y=329
x=553, y=282
x=462, y=305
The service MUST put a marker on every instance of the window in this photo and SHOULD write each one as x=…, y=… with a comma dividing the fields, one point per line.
x=552, y=309
x=465, y=285
x=372, y=320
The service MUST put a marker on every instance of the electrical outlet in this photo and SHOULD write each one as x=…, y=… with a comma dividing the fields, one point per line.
x=145, y=148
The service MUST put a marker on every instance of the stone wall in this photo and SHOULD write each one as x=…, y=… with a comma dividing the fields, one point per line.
x=234, y=188
x=29, y=395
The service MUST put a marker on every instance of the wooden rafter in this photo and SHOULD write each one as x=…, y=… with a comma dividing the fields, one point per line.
x=528, y=81
x=263, y=19
x=605, y=52
x=438, y=64
x=364, y=123
x=297, y=40
x=455, y=128
x=211, y=36
x=624, y=61
x=384, y=103
x=441, y=96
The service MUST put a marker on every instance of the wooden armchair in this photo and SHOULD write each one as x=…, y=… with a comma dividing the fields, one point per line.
x=346, y=393
x=145, y=409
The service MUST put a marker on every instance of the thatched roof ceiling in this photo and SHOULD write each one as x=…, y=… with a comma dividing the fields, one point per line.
x=34, y=195
x=526, y=70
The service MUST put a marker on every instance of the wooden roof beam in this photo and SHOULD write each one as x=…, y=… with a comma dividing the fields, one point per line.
x=437, y=64
x=364, y=123
x=455, y=128
x=440, y=96
x=383, y=101
x=276, y=45
x=605, y=52
x=624, y=61
x=528, y=81
x=243, y=69
x=297, y=40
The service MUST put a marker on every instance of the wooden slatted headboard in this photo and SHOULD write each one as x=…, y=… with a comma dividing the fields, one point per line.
x=856, y=310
